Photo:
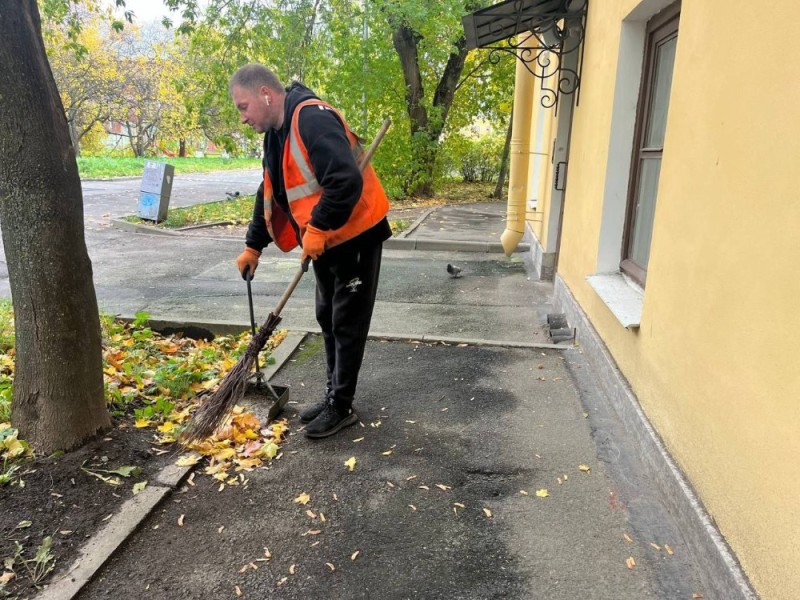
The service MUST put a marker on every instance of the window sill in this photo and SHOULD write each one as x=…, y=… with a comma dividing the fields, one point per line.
x=623, y=297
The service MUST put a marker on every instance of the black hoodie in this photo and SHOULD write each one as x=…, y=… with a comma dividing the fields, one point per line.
x=334, y=167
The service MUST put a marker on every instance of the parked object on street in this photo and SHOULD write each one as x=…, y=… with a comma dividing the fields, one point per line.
x=155, y=190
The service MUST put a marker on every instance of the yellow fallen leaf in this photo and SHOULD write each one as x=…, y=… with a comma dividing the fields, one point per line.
x=668, y=549
x=350, y=463
x=292, y=569
x=584, y=468
x=523, y=493
x=180, y=520
x=311, y=514
x=167, y=427
x=269, y=450
x=142, y=423
x=424, y=487
x=322, y=517
x=390, y=484
x=696, y=595
x=237, y=590
x=330, y=566
x=487, y=512
x=627, y=538
x=543, y=493
x=387, y=453
x=188, y=460
x=282, y=580
x=355, y=441
x=247, y=464
x=443, y=487
x=630, y=562
x=656, y=546
x=459, y=505
x=412, y=507
x=303, y=499
x=355, y=555
x=225, y=454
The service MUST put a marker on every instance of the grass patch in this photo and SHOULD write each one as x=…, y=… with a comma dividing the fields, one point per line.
x=399, y=226
x=102, y=167
x=236, y=211
x=310, y=348
x=453, y=192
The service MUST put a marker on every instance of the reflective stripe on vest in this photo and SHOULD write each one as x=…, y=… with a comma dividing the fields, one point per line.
x=303, y=191
x=311, y=185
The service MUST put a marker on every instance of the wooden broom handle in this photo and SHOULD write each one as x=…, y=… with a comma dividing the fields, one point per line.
x=363, y=162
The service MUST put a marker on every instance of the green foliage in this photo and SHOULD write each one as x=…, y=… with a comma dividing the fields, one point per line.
x=343, y=50
x=475, y=159
x=399, y=226
x=6, y=326
x=95, y=167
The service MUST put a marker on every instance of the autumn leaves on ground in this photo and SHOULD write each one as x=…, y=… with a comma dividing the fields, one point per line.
x=152, y=385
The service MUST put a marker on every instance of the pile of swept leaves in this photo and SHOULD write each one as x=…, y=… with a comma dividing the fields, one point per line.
x=152, y=381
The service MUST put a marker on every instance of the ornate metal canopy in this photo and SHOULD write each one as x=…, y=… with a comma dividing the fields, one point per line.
x=550, y=46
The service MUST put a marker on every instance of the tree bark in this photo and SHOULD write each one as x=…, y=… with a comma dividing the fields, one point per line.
x=426, y=129
x=501, y=179
x=58, y=389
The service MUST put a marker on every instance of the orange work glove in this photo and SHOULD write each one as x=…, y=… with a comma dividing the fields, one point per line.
x=313, y=243
x=247, y=262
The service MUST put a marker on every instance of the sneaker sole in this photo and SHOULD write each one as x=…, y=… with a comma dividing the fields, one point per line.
x=350, y=419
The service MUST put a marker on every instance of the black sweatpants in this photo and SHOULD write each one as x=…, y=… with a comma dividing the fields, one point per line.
x=347, y=282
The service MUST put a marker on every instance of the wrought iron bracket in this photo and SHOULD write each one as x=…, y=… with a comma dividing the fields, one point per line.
x=549, y=44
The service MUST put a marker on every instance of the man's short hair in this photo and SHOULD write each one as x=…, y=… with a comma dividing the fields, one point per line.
x=253, y=76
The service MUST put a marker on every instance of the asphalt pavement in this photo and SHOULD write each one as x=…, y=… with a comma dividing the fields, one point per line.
x=490, y=466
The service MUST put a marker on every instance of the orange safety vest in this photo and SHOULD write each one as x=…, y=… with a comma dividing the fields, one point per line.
x=304, y=191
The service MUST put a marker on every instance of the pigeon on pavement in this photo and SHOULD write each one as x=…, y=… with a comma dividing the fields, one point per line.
x=454, y=271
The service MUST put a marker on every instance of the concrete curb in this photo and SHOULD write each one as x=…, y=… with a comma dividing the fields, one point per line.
x=236, y=327
x=398, y=243
x=103, y=544
x=417, y=223
x=121, y=223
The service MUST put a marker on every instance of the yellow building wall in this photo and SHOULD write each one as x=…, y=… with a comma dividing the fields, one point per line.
x=713, y=363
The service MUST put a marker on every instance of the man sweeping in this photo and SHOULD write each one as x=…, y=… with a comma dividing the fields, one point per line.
x=315, y=196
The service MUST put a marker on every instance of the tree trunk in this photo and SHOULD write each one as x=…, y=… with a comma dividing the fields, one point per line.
x=58, y=389
x=182, y=148
x=501, y=179
x=426, y=129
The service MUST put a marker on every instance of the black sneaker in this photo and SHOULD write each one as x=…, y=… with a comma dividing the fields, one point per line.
x=312, y=412
x=329, y=421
